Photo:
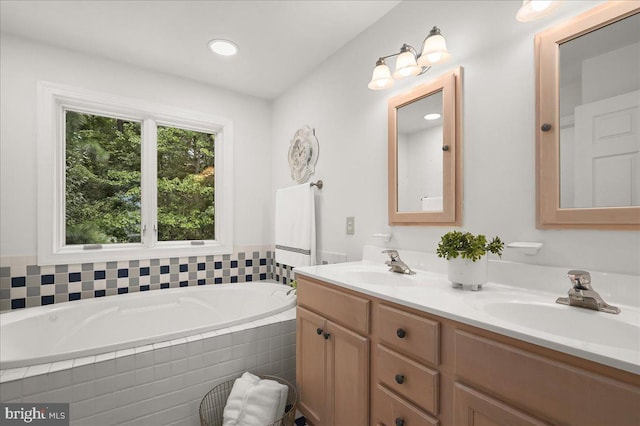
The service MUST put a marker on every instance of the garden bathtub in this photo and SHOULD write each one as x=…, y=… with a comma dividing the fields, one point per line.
x=149, y=357
x=90, y=327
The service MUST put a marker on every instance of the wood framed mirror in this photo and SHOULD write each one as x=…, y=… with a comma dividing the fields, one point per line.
x=588, y=120
x=425, y=153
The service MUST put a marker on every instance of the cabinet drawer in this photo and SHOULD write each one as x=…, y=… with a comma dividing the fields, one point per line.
x=346, y=309
x=413, y=381
x=391, y=410
x=410, y=334
x=473, y=408
x=544, y=387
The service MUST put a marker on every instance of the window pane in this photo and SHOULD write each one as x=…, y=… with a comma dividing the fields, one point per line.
x=186, y=190
x=102, y=195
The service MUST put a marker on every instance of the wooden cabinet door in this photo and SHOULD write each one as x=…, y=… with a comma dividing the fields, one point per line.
x=311, y=365
x=473, y=408
x=348, y=372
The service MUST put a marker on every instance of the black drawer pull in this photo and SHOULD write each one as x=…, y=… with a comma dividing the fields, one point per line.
x=399, y=379
x=326, y=336
x=319, y=331
x=399, y=421
x=401, y=333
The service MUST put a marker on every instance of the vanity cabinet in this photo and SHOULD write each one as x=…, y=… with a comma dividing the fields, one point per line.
x=405, y=371
x=386, y=364
x=554, y=388
x=332, y=356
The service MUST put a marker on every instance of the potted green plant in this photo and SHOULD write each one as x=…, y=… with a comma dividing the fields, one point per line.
x=467, y=257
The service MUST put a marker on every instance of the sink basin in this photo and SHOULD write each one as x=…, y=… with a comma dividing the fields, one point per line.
x=379, y=278
x=570, y=322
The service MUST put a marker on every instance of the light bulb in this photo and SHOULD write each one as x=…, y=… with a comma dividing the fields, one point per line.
x=540, y=5
x=381, y=78
x=434, y=49
x=406, y=65
x=223, y=47
x=536, y=9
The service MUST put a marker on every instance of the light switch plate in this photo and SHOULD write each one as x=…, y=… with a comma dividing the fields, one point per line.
x=351, y=225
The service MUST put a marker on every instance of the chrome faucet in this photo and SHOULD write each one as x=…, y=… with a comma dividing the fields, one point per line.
x=396, y=264
x=581, y=294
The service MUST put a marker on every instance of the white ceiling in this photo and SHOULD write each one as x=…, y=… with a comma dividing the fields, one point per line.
x=280, y=41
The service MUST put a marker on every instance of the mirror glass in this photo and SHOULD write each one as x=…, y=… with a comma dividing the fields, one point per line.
x=420, y=154
x=425, y=176
x=599, y=105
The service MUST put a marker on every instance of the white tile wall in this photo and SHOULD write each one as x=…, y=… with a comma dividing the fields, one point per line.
x=159, y=384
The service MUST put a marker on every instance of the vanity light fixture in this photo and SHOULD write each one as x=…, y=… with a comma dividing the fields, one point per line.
x=536, y=9
x=409, y=61
x=433, y=116
x=223, y=47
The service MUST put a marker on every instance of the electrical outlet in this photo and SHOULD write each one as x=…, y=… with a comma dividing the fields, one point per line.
x=351, y=225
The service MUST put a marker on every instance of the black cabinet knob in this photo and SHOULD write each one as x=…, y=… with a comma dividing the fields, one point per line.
x=319, y=331
x=399, y=421
x=326, y=336
x=401, y=333
x=445, y=147
x=545, y=127
x=399, y=379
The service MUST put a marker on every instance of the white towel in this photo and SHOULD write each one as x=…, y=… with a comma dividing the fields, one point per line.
x=264, y=403
x=295, y=230
x=432, y=204
x=255, y=402
x=235, y=402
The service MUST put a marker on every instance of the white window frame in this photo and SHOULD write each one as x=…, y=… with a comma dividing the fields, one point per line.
x=53, y=100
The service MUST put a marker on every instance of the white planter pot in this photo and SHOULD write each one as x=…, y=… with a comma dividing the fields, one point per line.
x=466, y=273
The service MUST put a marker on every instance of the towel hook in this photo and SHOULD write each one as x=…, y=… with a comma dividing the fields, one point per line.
x=319, y=184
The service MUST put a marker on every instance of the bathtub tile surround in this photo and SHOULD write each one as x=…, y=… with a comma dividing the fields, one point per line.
x=23, y=284
x=282, y=273
x=161, y=383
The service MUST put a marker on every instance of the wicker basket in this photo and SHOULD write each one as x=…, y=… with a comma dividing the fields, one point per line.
x=212, y=405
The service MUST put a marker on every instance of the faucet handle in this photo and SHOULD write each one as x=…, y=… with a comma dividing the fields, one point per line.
x=580, y=279
x=393, y=254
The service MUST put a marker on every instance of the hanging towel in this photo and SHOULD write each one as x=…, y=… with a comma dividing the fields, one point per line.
x=431, y=204
x=295, y=230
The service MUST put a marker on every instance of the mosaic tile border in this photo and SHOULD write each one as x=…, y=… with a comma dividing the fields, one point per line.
x=24, y=284
x=283, y=273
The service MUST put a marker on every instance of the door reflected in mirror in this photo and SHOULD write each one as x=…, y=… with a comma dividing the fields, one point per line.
x=420, y=155
x=600, y=117
x=425, y=176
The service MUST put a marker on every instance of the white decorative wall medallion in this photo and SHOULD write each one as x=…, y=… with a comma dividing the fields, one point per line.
x=303, y=154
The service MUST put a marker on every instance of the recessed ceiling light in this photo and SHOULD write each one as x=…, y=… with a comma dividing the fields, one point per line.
x=433, y=116
x=223, y=47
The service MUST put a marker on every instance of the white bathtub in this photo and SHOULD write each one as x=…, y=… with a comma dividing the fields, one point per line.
x=146, y=358
x=76, y=329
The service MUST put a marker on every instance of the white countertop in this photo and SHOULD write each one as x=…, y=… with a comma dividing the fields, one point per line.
x=521, y=313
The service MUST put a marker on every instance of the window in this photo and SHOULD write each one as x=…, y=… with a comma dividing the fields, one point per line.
x=102, y=180
x=186, y=191
x=124, y=179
